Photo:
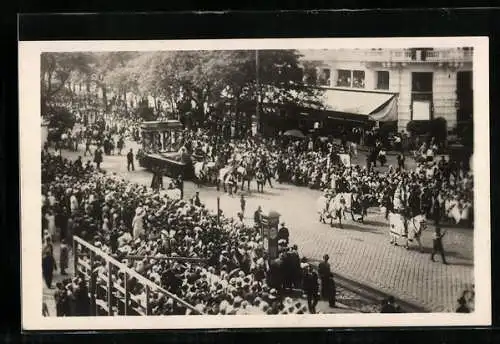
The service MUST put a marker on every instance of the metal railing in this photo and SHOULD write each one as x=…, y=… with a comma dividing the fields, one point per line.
x=106, y=294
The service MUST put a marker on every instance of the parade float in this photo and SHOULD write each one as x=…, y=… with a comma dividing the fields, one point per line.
x=163, y=147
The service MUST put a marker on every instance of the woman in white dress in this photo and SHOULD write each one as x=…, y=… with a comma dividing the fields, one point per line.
x=51, y=224
x=138, y=223
x=73, y=204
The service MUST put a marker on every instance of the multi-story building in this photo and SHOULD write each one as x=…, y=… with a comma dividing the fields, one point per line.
x=395, y=84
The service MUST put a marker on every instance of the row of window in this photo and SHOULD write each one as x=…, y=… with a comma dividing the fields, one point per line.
x=347, y=78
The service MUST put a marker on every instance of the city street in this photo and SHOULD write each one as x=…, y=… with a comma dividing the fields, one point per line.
x=358, y=252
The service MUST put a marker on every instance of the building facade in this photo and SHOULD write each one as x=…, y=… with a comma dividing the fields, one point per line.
x=428, y=83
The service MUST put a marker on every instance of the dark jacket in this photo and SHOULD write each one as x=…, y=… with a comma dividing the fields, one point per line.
x=324, y=270
x=311, y=285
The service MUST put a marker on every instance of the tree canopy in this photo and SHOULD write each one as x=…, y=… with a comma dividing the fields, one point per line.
x=188, y=81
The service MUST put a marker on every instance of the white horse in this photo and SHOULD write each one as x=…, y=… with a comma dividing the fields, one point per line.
x=226, y=178
x=338, y=206
x=408, y=229
x=203, y=172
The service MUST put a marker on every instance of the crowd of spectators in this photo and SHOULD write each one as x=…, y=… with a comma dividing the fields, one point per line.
x=126, y=219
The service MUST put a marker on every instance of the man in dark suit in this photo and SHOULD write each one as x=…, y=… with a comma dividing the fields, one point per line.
x=130, y=160
x=311, y=288
x=180, y=185
x=283, y=233
x=324, y=275
x=98, y=158
x=437, y=244
x=331, y=290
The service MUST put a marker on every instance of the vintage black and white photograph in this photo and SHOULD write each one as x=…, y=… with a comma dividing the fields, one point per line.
x=335, y=180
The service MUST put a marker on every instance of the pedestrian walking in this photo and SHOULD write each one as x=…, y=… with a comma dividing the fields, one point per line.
x=196, y=199
x=267, y=175
x=311, y=288
x=120, y=145
x=295, y=266
x=437, y=244
x=257, y=217
x=324, y=275
x=283, y=233
x=154, y=180
x=159, y=178
x=60, y=297
x=401, y=161
x=45, y=310
x=180, y=185
x=243, y=203
x=88, y=141
x=331, y=291
x=63, y=257
x=98, y=158
x=138, y=223
x=130, y=160
x=51, y=223
x=48, y=262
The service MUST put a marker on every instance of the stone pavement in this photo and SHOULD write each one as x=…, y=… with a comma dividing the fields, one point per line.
x=359, y=252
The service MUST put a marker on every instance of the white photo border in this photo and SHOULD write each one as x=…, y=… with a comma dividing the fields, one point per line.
x=30, y=181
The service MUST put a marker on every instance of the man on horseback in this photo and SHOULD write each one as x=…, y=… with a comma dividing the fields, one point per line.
x=246, y=175
x=407, y=220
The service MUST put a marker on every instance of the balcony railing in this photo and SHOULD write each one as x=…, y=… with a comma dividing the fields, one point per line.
x=396, y=55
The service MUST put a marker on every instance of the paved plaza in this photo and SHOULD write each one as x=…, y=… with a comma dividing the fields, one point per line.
x=358, y=252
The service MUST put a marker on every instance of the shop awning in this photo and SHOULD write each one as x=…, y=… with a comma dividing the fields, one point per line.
x=387, y=112
x=354, y=102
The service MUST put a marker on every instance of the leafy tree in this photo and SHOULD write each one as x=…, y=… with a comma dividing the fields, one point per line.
x=56, y=71
x=60, y=120
x=196, y=82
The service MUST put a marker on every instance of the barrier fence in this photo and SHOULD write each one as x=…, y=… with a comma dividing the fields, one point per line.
x=107, y=295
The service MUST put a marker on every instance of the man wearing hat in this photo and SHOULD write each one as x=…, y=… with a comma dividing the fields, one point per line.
x=324, y=275
x=196, y=199
x=243, y=203
x=437, y=244
x=257, y=217
x=311, y=288
x=283, y=233
x=98, y=158
x=180, y=185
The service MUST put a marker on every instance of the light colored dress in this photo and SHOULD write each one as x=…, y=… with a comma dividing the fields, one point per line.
x=51, y=224
x=138, y=225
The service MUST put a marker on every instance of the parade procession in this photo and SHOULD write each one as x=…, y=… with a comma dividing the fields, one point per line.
x=265, y=182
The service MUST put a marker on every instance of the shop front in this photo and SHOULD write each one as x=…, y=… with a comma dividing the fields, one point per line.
x=346, y=110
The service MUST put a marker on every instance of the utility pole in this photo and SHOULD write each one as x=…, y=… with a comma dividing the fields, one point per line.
x=218, y=212
x=257, y=98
